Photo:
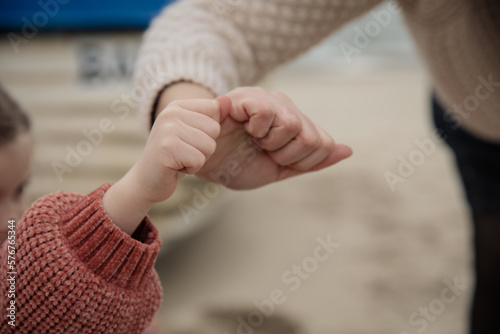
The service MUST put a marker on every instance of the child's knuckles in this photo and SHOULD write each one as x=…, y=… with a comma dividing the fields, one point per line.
x=207, y=148
x=169, y=126
x=168, y=116
x=211, y=147
x=175, y=104
x=196, y=162
x=211, y=127
x=169, y=109
x=166, y=131
x=216, y=128
x=210, y=108
x=171, y=145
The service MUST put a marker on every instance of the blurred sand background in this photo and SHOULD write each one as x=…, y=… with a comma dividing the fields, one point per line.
x=396, y=247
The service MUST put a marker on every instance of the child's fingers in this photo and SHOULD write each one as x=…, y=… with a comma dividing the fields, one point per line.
x=201, y=122
x=188, y=151
x=199, y=140
x=187, y=159
x=208, y=107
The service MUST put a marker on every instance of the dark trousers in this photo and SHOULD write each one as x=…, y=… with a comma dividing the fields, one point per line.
x=478, y=163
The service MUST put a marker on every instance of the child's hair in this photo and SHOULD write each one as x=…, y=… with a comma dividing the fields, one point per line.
x=13, y=119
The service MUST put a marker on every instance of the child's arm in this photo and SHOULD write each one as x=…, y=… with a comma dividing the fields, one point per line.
x=182, y=139
x=86, y=263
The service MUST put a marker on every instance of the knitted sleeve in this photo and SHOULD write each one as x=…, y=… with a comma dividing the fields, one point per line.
x=77, y=272
x=223, y=44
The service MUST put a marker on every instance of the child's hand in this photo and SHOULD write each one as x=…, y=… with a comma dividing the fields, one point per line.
x=182, y=139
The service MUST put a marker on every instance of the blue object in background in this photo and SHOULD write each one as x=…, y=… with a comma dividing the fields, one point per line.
x=78, y=14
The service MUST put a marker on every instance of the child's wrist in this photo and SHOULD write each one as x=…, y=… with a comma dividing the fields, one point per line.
x=125, y=204
x=182, y=90
x=133, y=184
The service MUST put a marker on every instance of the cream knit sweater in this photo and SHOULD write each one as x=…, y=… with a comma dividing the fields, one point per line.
x=222, y=44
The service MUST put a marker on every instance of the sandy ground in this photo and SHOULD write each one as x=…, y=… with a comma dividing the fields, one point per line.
x=395, y=252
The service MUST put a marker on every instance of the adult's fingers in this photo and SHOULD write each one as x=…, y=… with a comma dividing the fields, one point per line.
x=272, y=120
x=339, y=153
x=303, y=144
x=286, y=125
x=324, y=149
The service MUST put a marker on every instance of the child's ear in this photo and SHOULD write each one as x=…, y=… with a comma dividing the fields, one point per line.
x=225, y=106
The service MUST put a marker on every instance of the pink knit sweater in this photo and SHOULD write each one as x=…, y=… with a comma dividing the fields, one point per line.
x=77, y=272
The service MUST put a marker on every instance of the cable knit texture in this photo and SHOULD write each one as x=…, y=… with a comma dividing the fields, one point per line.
x=77, y=272
x=223, y=44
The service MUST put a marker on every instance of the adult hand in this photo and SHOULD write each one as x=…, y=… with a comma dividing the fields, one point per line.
x=265, y=138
